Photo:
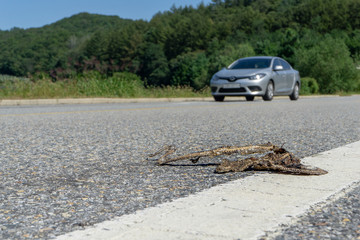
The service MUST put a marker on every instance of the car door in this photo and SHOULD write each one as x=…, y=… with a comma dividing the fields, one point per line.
x=289, y=76
x=279, y=76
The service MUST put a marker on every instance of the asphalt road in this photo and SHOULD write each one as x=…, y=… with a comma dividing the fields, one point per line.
x=65, y=167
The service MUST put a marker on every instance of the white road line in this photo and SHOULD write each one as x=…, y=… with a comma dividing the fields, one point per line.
x=241, y=209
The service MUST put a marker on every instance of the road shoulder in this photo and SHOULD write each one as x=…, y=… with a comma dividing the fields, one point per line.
x=21, y=102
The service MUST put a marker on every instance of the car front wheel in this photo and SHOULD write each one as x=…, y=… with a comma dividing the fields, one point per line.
x=295, y=94
x=269, y=94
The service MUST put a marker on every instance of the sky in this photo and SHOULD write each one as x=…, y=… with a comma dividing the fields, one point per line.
x=37, y=13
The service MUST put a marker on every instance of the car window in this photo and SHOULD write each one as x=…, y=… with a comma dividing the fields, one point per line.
x=285, y=65
x=251, y=63
x=276, y=63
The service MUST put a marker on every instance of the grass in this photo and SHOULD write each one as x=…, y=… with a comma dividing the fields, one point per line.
x=346, y=94
x=92, y=84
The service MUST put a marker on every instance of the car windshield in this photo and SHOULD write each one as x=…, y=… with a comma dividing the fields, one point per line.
x=253, y=63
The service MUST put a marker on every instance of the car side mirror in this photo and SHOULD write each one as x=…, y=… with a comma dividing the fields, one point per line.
x=278, y=68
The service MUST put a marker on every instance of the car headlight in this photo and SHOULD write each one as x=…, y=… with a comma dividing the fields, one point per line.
x=215, y=78
x=257, y=76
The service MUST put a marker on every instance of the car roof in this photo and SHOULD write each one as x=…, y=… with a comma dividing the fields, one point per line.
x=254, y=57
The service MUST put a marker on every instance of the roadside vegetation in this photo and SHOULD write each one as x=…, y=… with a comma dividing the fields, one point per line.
x=91, y=84
x=177, y=51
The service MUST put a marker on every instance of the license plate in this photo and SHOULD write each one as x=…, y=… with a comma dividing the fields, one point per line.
x=232, y=85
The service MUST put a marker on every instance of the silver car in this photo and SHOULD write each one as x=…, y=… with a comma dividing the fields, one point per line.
x=256, y=76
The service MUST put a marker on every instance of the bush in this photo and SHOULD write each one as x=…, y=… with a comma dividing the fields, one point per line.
x=121, y=84
x=309, y=86
x=124, y=84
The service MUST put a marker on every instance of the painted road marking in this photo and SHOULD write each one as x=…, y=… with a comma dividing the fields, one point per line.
x=241, y=209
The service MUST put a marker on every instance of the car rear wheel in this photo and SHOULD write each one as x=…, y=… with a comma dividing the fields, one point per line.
x=269, y=94
x=219, y=98
x=249, y=98
x=295, y=94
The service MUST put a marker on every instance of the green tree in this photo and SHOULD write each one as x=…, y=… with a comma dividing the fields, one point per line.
x=326, y=15
x=154, y=65
x=96, y=45
x=353, y=42
x=330, y=63
x=190, y=69
x=188, y=33
x=224, y=56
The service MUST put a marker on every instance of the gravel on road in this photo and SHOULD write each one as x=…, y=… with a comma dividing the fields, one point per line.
x=65, y=167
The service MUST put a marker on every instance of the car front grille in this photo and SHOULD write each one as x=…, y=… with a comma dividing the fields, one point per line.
x=232, y=90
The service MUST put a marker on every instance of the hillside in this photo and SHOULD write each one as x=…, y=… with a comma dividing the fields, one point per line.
x=33, y=50
x=186, y=45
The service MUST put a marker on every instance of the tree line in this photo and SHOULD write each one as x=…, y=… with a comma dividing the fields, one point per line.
x=186, y=45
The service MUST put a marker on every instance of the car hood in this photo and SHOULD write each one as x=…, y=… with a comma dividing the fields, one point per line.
x=240, y=72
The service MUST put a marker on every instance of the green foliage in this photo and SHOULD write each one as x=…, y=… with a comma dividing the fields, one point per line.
x=326, y=15
x=330, y=63
x=223, y=56
x=187, y=33
x=53, y=46
x=155, y=69
x=190, y=69
x=309, y=86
